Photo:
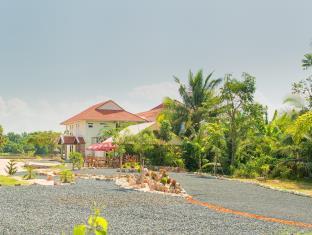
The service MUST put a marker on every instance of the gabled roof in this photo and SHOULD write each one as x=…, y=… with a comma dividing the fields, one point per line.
x=105, y=111
x=152, y=114
x=71, y=140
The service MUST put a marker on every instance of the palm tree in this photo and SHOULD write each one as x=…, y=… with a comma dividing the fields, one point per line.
x=195, y=95
x=307, y=61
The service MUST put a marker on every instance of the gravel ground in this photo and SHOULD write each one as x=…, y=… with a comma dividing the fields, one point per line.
x=51, y=210
x=99, y=171
x=247, y=197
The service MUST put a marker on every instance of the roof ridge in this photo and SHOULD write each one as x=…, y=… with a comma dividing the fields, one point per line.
x=96, y=107
x=108, y=101
x=136, y=115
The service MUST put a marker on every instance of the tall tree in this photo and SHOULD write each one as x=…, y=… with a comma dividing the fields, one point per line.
x=237, y=96
x=2, y=138
x=189, y=113
x=302, y=90
x=307, y=61
x=43, y=140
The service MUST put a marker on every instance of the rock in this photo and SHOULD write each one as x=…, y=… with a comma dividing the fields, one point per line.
x=49, y=178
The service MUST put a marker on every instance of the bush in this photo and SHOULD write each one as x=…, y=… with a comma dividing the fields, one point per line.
x=11, y=167
x=30, y=173
x=67, y=176
x=95, y=225
x=76, y=159
x=282, y=171
x=132, y=165
x=164, y=180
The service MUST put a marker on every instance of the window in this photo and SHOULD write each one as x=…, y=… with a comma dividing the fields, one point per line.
x=104, y=125
x=90, y=125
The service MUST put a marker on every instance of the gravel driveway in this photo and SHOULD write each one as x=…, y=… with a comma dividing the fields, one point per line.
x=247, y=197
x=51, y=210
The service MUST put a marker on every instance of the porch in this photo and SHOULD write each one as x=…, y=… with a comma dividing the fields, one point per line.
x=71, y=144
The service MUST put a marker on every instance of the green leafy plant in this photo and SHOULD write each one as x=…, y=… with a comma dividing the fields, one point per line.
x=67, y=176
x=30, y=174
x=95, y=225
x=164, y=180
x=76, y=159
x=11, y=168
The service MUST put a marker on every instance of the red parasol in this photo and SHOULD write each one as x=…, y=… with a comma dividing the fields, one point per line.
x=105, y=147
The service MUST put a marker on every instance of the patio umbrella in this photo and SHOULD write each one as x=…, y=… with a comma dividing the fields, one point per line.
x=105, y=147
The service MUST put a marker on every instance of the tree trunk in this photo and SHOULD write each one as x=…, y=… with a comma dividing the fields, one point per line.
x=142, y=169
x=199, y=165
x=215, y=165
x=233, y=140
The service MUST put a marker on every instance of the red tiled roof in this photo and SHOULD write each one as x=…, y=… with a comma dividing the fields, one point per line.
x=152, y=114
x=81, y=140
x=95, y=114
x=71, y=140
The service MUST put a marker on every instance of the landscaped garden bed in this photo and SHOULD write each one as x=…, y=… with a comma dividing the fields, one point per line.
x=152, y=181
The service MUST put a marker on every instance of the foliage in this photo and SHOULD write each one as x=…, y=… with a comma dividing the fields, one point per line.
x=188, y=114
x=37, y=142
x=142, y=143
x=43, y=141
x=2, y=138
x=77, y=159
x=165, y=130
x=67, y=176
x=303, y=89
x=95, y=225
x=302, y=127
x=8, y=181
x=132, y=165
x=164, y=180
x=30, y=174
x=11, y=168
x=237, y=97
x=307, y=61
x=226, y=128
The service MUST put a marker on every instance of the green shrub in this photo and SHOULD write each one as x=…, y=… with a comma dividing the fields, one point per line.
x=76, y=159
x=281, y=171
x=67, y=176
x=132, y=165
x=30, y=174
x=11, y=167
x=179, y=163
x=96, y=225
x=164, y=180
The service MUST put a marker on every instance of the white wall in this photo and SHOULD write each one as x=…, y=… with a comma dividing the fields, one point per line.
x=82, y=129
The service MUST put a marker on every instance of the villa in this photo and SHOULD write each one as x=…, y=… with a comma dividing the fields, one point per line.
x=85, y=128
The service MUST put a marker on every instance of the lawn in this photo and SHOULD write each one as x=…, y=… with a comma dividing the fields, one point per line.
x=301, y=186
x=9, y=181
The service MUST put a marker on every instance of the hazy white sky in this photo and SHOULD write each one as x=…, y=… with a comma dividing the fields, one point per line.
x=58, y=57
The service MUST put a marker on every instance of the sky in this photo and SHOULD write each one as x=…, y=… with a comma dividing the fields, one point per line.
x=59, y=57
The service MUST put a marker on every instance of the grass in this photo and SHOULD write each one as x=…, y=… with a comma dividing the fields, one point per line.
x=9, y=181
x=61, y=167
x=301, y=186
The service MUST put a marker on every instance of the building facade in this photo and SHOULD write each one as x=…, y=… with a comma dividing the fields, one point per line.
x=86, y=128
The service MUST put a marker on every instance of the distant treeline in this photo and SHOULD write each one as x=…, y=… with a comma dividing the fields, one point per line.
x=35, y=143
